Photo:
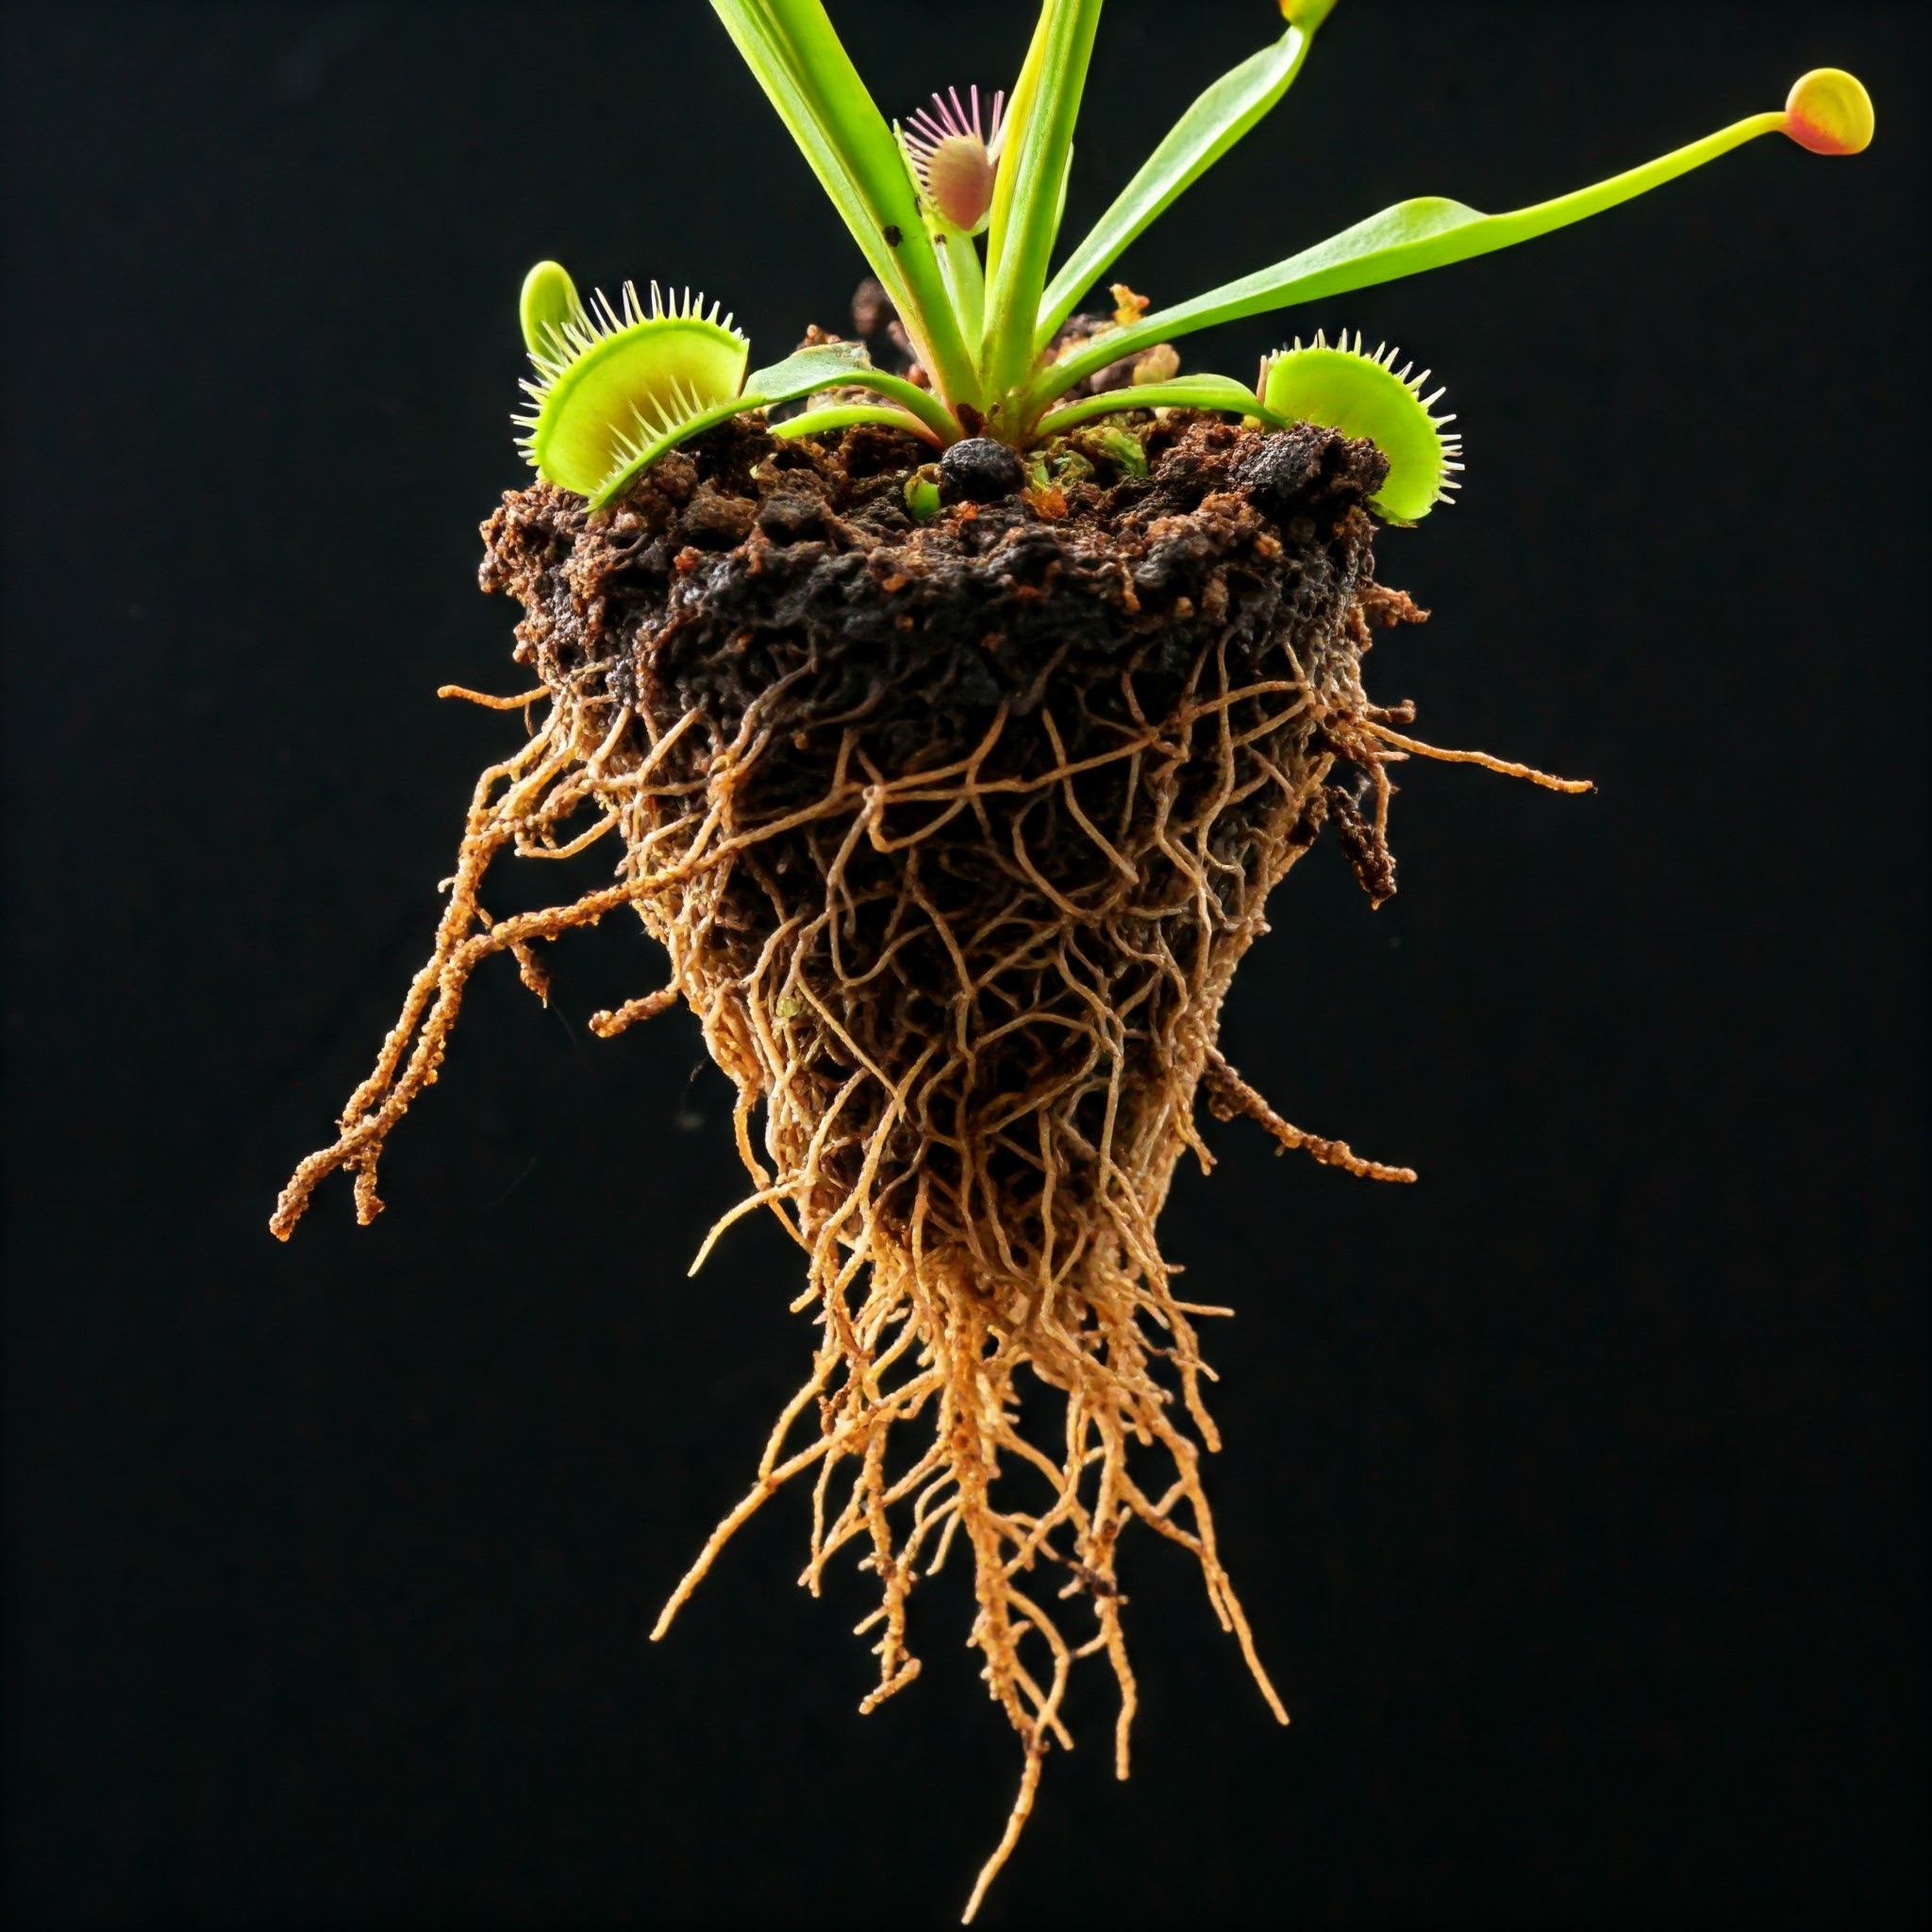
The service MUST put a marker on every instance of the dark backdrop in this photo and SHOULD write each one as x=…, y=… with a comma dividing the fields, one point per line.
x=1577, y=1494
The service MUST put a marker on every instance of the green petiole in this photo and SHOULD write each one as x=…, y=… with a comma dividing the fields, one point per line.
x=1040, y=140
x=1424, y=233
x=1236, y=102
x=1183, y=392
x=808, y=78
x=914, y=400
x=848, y=415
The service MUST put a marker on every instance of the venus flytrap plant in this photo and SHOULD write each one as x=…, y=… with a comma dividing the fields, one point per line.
x=956, y=790
x=617, y=390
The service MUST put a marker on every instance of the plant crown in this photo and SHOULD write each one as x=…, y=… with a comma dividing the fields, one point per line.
x=959, y=219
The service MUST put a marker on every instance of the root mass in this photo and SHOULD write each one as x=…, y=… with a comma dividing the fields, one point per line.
x=954, y=834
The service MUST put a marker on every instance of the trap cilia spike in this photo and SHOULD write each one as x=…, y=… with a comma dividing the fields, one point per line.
x=613, y=383
x=950, y=735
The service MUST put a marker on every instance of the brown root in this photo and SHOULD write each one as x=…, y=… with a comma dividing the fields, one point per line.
x=1229, y=1095
x=966, y=958
x=929, y=1305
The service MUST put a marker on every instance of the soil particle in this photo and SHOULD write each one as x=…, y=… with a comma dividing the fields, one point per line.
x=980, y=471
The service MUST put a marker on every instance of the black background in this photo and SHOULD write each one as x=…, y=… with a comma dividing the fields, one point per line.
x=1577, y=1494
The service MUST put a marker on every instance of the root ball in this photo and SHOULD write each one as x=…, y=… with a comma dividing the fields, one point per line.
x=954, y=834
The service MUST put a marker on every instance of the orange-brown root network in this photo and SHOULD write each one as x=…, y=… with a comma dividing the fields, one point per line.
x=953, y=835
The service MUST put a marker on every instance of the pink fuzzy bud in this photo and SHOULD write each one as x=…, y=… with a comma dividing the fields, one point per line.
x=953, y=157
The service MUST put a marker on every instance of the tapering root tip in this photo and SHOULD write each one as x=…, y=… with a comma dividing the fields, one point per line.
x=522, y=700
x=1506, y=768
x=608, y=1022
x=1016, y=1820
x=1228, y=1095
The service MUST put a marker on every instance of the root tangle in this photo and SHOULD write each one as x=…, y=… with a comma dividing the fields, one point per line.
x=965, y=950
